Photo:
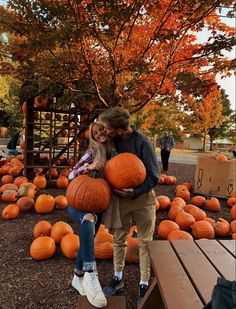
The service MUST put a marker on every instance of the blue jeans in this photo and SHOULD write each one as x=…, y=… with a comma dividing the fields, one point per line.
x=87, y=229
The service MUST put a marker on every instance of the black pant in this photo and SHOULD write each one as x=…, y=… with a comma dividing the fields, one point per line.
x=165, y=154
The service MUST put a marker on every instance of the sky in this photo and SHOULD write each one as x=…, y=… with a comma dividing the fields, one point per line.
x=226, y=83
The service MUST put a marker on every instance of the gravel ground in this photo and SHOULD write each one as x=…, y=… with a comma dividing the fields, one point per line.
x=25, y=283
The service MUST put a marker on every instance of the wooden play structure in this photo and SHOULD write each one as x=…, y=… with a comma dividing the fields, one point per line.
x=53, y=137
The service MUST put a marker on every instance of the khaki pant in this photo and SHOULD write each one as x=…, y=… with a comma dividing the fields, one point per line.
x=142, y=210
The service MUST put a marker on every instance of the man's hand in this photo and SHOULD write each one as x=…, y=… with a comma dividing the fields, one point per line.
x=125, y=192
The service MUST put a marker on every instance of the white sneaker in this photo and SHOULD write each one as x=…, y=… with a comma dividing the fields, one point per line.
x=77, y=284
x=93, y=290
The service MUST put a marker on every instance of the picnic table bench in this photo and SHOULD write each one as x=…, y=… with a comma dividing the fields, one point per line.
x=186, y=272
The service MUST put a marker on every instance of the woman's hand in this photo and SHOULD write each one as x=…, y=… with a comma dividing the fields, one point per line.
x=96, y=165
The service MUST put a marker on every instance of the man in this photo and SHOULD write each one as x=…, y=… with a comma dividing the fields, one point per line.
x=135, y=204
x=166, y=143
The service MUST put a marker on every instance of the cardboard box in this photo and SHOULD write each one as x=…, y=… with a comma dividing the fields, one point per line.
x=214, y=177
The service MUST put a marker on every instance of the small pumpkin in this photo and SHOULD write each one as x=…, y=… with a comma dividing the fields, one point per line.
x=233, y=226
x=26, y=190
x=174, y=211
x=9, y=196
x=231, y=201
x=178, y=234
x=60, y=202
x=40, y=101
x=178, y=201
x=196, y=212
x=44, y=204
x=164, y=201
x=125, y=170
x=40, y=182
x=11, y=211
x=20, y=180
x=199, y=201
x=203, y=229
x=70, y=245
x=184, y=220
x=184, y=193
x=42, y=228
x=42, y=248
x=25, y=203
x=221, y=227
x=8, y=186
x=165, y=227
x=7, y=179
x=62, y=182
x=59, y=230
x=213, y=204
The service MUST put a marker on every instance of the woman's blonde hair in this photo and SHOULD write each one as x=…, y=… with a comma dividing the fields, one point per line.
x=99, y=150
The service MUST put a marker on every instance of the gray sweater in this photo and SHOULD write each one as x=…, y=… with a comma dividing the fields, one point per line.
x=142, y=147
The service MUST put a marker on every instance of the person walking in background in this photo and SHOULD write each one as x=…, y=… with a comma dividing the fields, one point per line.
x=136, y=204
x=13, y=143
x=166, y=143
x=85, y=279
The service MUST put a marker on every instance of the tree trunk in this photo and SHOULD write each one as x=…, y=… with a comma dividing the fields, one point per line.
x=204, y=141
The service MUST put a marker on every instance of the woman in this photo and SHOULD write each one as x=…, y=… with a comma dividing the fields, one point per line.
x=85, y=279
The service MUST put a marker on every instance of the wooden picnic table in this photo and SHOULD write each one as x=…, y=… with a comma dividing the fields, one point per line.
x=186, y=272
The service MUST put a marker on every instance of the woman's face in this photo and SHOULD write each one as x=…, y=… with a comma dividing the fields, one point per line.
x=99, y=134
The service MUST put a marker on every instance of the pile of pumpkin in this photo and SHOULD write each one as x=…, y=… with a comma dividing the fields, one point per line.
x=189, y=220
x=47, y=237
x=167, y=180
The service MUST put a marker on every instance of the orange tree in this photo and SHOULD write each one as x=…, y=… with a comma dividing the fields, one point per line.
x=125, y=52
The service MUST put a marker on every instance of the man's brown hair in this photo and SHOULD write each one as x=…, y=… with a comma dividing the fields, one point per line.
x=117, y=117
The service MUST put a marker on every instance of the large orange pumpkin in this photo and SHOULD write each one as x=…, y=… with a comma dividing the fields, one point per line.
x=125, y=170
x=59, y=230
x=42, y=248
x=70, y=245
x=42, y=228
x=11, y=211
x=88, y=194
x=44, y=203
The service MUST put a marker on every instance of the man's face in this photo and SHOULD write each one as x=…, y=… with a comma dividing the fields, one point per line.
x=111, y=132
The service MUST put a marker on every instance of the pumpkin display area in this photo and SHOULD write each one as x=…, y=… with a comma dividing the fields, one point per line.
x=26, y=283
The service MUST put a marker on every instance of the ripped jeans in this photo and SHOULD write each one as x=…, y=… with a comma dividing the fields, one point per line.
x=88, y=227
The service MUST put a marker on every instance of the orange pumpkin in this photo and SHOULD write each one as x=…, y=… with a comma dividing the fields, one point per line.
x=213, y=204
x=221, y=227
x=184, y=220
x=188, y=185
x=40, y=182
x=9, y=196
x=59, y=230
x=210, y=220
x=26, y=190
x=14, y=171
x=184, y=193
x=233, y=194
x=174, y=211
x=203, y=229
x=25, y=203
x=7, y=179
x=178, y=201
x=165, y=227
x=178, y=234
x=88, y=194
x=20, y=180
x=196, y=212
x=103, y=250
x=164, y=201
x=11, y=211
x=125, y=170
x=233, y=226
x=103, y=235
x=234, y=236
x=221, y=158
x=199, y=201
x=233, y=212
x=42, y=248
x=60, y=202
x=231, y=201
x=44, y=204
x=62, y=182
x=42, y=228
x=70, y=245
x=40, y=101
x=8, y=186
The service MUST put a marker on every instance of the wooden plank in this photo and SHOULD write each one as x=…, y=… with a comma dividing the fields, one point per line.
x=152, y=298
x=117, y=302
x=175, y=287
x=230, y=245
x=222, y=260
x=200, y=270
